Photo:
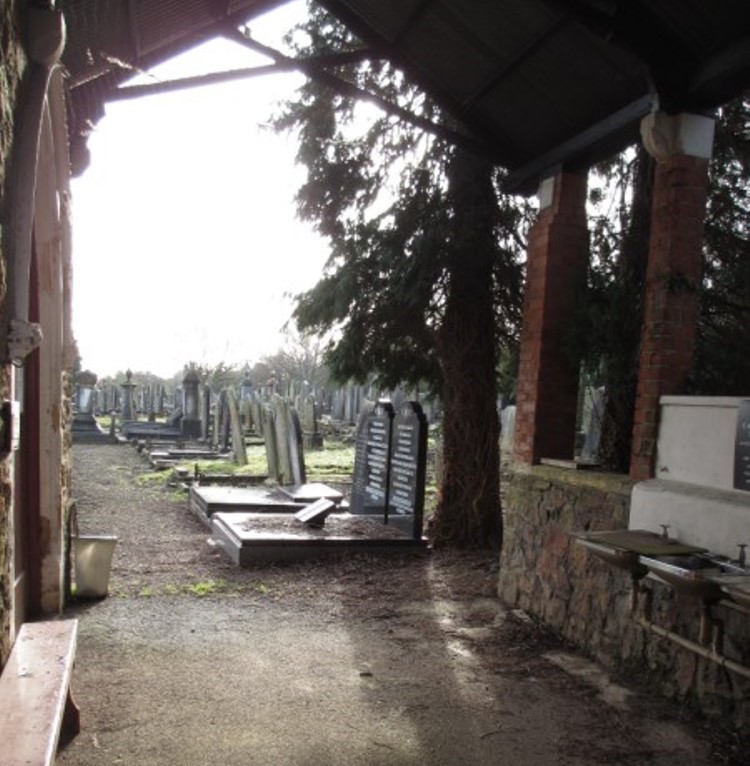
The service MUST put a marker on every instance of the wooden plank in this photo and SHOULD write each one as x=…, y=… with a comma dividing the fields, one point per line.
x=35, y=701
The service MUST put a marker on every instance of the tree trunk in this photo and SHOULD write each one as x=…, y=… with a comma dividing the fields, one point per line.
x=620, y=367
x=468, y=511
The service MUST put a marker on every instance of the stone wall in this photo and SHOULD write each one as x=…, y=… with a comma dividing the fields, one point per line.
x=10, y=73
x=546, y=573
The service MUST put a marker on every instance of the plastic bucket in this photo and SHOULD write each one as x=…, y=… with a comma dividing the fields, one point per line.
x=93, y=561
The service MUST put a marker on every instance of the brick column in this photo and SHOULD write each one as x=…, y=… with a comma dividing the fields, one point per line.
x=547, y=389
x=682, y=147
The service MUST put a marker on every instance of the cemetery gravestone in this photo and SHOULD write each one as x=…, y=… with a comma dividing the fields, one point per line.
x=225, y=435
x=507, y=428
x=269, y=438
x=296, y=449
x=282, y=425
x=312, y=438
x=371, y=460
x=408, y=463
x=238, y=438
x=257, y=416
x=191, y=424
x=205, y=412
x=127, y=397
x=742, y=447
x=592, y=426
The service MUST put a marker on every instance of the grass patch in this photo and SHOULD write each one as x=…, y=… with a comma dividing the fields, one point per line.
x=152, y=478
x=206, y=588
x=335, y=462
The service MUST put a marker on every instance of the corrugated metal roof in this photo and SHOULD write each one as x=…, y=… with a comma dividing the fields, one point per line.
x=563, y=80
x=535, y=82
x=108, y=41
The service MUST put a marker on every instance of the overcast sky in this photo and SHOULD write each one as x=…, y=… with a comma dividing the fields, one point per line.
x=185, y=235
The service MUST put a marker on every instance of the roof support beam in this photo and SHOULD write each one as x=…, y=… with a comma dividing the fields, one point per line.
x=581, y=149
x=313, y=68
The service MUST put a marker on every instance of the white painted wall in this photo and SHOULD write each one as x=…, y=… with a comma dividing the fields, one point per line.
x=696, y=440
x=693, y=490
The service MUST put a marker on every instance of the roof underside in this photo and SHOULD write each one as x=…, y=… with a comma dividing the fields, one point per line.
x=108, y=41
x=537, y=83
x=545, y=82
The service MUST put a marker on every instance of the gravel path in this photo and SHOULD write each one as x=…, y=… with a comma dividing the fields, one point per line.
x=194, y=661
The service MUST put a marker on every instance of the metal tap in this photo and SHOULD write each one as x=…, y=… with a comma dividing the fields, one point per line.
x=664, y=528
x=741, y=557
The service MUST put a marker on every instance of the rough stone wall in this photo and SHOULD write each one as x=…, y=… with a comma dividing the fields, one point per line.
x=10, y=73
x=546, y=573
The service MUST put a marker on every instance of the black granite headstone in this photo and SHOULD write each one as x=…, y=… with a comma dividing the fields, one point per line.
x=742, y=447
x=408, y=464
x=371, y=454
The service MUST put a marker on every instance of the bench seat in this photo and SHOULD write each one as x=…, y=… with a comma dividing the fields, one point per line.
x=36, y=705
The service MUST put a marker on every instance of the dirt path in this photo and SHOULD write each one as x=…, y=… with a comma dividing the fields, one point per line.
x=193, y=661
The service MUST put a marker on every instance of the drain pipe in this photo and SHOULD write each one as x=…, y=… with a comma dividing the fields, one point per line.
x=712, y=653
x=44, y=43
x=702, y=651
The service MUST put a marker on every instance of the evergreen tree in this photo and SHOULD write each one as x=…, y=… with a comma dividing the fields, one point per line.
x=423, y=283
x=722, y=362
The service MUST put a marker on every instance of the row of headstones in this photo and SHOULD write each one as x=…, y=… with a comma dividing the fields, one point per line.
x=343, y=404
x=276, y=421
x=390, y=462
x=151, y=399
x=347, y=403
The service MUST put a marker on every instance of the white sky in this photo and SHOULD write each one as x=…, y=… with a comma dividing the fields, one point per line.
x=185, y=235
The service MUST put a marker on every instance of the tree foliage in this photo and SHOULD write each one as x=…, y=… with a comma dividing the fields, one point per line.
x=299, y=359
x=722, y=364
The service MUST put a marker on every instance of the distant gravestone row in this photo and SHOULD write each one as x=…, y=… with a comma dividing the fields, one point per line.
x=390, y=463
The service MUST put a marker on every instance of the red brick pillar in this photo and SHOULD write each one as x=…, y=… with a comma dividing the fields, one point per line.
x=682, y=148
x=547, y=390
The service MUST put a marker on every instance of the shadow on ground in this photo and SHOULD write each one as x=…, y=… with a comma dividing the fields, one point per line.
x=193, y=661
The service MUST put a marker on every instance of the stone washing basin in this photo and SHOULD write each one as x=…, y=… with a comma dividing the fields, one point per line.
x=700, y=575
x=624, y=548
x=688, y=569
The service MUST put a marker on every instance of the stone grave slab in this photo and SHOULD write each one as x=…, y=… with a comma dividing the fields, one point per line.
x=144, y=430
x=226, y=479
x=164, y=458
x=249, y=538
x=205, y=501
x=307, y=493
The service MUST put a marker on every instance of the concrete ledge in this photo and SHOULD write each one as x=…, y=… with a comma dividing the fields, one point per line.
x=616, y=483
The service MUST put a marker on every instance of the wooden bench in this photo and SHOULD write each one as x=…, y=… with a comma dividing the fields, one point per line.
x=36, y=706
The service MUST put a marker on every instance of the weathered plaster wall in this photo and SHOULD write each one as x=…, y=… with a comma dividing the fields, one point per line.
x=546, y=573
x=10, y=74
x=66, y=472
